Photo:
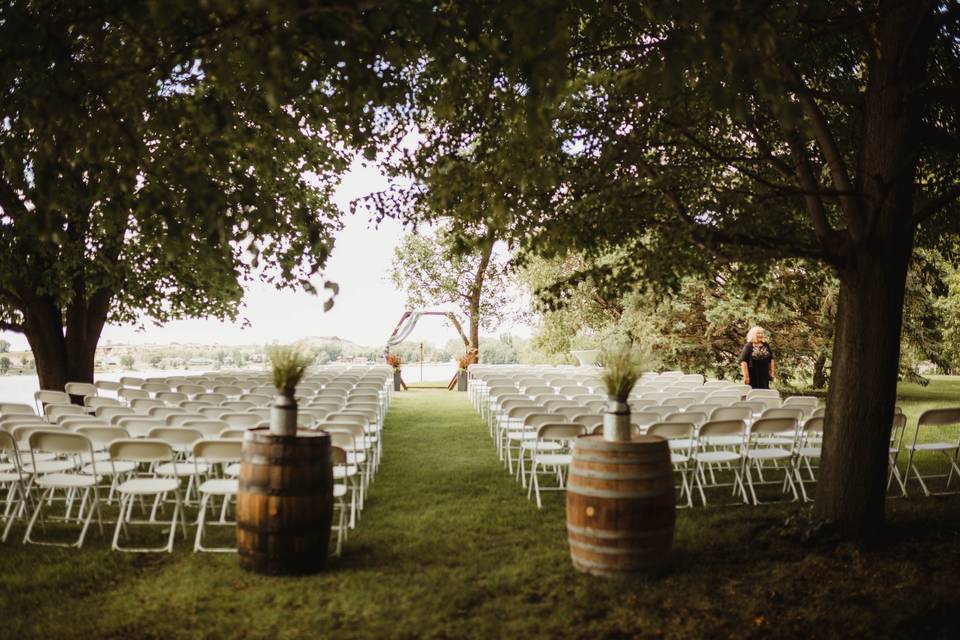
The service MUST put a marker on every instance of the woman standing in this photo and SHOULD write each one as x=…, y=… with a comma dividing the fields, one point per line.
x=756, y=361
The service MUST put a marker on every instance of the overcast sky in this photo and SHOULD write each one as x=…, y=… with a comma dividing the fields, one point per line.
x=366, y=310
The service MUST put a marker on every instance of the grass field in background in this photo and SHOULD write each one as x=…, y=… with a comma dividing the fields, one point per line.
x=449, y=547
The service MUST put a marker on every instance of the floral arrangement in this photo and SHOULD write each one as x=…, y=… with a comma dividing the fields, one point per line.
x=289, y=363
x=394, y=360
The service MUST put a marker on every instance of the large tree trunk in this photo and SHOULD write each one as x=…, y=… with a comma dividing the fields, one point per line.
x=65, y=351
x=863, y=383
x=852, y=484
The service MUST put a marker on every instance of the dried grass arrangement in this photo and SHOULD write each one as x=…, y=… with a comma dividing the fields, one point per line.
x=289, y=364
x=621, y=370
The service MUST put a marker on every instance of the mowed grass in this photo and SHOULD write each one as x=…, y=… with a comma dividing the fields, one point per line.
x=449, y=547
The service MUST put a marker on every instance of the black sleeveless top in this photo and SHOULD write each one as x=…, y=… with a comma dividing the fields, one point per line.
x=758, y=364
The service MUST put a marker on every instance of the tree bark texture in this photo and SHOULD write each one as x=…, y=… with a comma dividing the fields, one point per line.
x=476, y=293
x=64, y=345
x=851, y=488
x=820, y=371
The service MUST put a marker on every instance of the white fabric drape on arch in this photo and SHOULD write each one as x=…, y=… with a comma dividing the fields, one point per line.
x=405, y=330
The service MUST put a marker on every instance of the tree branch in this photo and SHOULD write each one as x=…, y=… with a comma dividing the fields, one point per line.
x=10, y=202
x=849, y=203
x=763, y=246
x=11, y=327
x=935, y=205
x=808, y=180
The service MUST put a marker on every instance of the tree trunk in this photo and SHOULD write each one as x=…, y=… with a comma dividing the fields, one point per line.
x=476, y=294
x=474, y=328
x=65, y=353
x=819, y=371
x=851, y=488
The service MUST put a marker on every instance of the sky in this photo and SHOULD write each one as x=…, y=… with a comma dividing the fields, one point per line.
x=366, y=310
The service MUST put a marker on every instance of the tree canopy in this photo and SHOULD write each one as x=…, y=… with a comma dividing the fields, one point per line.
x=673, y=139
x=153, y=158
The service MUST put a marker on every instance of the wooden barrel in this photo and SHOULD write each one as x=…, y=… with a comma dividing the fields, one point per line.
x=285, y=502
x=620, y=505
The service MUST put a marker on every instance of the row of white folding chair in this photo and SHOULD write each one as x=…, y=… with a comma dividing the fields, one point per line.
x=745, y=449
x=353, y=471
x=80, y=466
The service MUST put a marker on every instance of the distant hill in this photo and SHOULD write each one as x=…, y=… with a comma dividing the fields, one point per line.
x=315, y=341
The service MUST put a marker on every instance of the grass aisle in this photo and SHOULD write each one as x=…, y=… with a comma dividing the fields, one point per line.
x=450, y=547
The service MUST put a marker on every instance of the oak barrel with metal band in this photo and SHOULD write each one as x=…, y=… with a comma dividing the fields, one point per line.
x=285, y=502
x=620, y=505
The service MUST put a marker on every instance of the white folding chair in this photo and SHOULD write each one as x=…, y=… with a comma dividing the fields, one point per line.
x=207, y=428
x=950, y=449
x=49, y=396
x=719, y=446
x=127, y=395
x=679, y=456
x=359, y=451
x=897, y=430
x=81, y=389
x=74, y=448
x=107, y=385
x=809, y=446
x=338, y=457
x=54, y=412
x=111, y=414
x=101, y=437
x=144, y=482
x=807, y=403
x=348, y=471
x=208, y=455
x=765, y=448
x=155, y=388
x=241, y=420
x=551, y=452
x=520, y=438
x=16, y=408
x=92, y=403
x=12, y=478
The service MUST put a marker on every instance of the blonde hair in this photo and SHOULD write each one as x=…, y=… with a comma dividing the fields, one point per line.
x=752, y=334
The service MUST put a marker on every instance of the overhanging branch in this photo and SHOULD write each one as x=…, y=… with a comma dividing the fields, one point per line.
x=935, y=205
x=12, y=327
x=849, y=203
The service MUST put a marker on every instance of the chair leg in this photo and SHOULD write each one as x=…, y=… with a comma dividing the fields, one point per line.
x=698, y=478
x=201, y=517
x=916, y=472
x=536, y=488
x=125, y=504
x=36, y=514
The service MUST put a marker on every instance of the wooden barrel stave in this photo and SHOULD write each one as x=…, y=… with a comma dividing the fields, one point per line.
x=620, y=505
x=285, y=502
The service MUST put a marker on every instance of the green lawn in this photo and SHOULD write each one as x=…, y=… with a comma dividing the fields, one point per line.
x=450, y=547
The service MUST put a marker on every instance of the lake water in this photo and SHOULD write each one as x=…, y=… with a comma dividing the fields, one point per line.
x=22, y=388
x=434, y=372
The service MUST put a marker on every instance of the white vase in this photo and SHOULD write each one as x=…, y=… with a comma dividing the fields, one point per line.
x=587, y=357
x=616, y=421
x=283, y=416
